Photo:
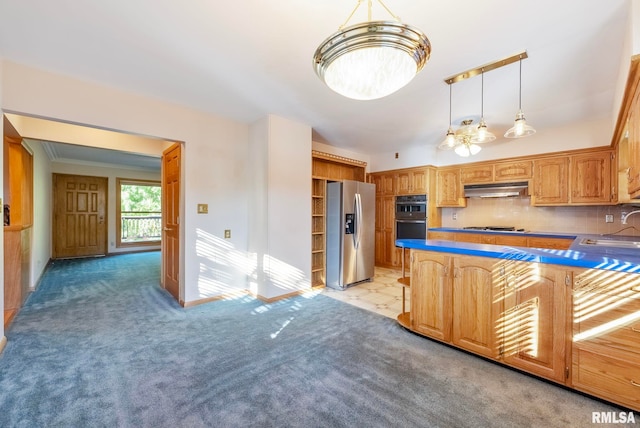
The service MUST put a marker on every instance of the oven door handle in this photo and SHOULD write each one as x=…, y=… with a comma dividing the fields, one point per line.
x=411, y=221
x=411, y=203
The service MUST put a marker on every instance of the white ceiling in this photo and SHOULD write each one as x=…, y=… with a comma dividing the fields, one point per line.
x=72, y=153
x=245, y=59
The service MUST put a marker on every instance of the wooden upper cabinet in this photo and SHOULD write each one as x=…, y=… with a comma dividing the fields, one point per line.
x=496, y=172
x=591, y=178
x=550, y=181
x=450, y=192
x=628, y=127
x=476, y=174
x=634, y=149
x=376, y=179
x=385, y=183
x=338, y=168
x=513, y=171
x=412, y=182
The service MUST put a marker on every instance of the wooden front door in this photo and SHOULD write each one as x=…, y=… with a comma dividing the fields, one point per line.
x=171, y=220
x=79, y=216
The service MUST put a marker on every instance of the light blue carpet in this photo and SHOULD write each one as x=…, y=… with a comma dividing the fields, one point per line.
x=99, y=344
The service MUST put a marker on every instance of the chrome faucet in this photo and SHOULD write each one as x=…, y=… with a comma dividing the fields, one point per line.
x=624, y=219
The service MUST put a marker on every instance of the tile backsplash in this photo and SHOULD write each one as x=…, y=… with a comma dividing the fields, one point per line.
x=519, y=213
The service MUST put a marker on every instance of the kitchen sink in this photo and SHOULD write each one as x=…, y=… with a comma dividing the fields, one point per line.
x=615, y=243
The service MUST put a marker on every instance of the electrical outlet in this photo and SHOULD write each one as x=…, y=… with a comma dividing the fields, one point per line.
x=454, y=216
x=622, y=215
x=608, y=218
x=227, y=234
x=203, y=208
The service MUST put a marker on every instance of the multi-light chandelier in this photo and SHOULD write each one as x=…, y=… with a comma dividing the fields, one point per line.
x=371, y=59
x=466, y=139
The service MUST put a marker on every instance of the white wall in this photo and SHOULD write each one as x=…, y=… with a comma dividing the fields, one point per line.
x=576, y=136
x=214, y=159
x=281, y=160
x=258, y=214
x=41, y=231
x=112, y=173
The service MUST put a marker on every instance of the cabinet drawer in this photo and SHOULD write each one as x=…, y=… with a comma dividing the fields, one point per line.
x=611, y=378
x=516, y=241
x=447, y=236
x=488, y=239
x=616, y=327
x=475, y=238
x=553, y=243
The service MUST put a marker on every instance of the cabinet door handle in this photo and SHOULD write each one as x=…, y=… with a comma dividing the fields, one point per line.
x=635, y=384
x=635, y=330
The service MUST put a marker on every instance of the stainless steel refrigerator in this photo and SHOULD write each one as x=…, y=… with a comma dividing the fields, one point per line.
x=351, y=210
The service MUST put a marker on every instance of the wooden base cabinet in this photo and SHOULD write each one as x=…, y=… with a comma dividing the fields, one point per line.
x=431, y=300
x=534, y=321
x=606, y=336
x=455, y=299
x=476, y=304
x=576, y=327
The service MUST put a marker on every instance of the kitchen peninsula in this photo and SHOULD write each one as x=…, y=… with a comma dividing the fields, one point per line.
x=571, y=315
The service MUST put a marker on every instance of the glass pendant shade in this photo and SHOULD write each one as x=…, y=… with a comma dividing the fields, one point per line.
x=449, y=140
x=482, y=134
x=371, y=60
x=520, y=128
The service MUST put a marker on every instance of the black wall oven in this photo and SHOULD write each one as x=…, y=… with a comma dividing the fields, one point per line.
x=411, y=217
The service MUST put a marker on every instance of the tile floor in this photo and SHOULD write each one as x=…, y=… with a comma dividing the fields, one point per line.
x=382, y=295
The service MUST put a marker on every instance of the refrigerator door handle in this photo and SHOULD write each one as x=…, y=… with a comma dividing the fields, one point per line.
x=358, y=210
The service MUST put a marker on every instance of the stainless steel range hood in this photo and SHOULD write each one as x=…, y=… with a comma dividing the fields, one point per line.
x=496, y=190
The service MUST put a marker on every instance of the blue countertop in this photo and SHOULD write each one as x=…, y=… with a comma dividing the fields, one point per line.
x=578, y=255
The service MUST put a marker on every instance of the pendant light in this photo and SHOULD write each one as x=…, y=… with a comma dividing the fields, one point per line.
x=372, y=59
x=483, y=135
x=450, y=139
x=520, y=127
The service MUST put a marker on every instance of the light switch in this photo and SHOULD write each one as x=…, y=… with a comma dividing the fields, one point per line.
x=203, y=208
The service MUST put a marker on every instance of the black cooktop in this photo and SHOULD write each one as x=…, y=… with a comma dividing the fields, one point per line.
x=503, y=228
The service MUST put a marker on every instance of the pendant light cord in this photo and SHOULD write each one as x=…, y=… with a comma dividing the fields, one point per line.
x=449, y=106
x=520, y=86
x=482, y=95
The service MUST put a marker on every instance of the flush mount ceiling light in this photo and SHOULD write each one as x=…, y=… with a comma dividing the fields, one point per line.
x=372, y=59
x=464, y=141
x=520, y=128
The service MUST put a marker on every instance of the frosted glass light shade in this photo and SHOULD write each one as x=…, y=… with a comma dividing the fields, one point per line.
x=371, y=60
x=467, y=149
x=367, y=74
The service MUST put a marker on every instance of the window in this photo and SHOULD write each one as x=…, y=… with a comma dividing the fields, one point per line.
x=138, y=212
